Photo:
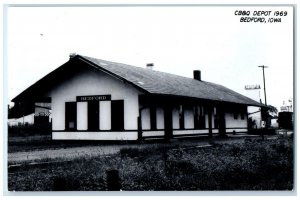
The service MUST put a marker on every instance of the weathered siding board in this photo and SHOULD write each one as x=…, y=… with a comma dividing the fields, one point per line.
x=153, y=133
x=78, y=135
x=182, y=132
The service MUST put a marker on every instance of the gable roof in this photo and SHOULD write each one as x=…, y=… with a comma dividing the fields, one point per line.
x=155, y=82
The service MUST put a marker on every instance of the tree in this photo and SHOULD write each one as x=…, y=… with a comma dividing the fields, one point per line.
x=272, y=110
x=267, y=113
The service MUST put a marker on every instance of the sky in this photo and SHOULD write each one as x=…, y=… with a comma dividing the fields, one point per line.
x=177, y=39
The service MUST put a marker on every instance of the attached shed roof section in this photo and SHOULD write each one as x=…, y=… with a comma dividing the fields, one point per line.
x=156, y=82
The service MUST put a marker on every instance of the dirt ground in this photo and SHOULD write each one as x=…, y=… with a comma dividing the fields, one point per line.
x=69, y=153
x=65, y=153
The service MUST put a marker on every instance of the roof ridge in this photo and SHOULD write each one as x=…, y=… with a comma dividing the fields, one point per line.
x=141, y=68
x=158, y=82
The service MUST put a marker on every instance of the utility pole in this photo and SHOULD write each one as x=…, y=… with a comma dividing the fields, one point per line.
x=263, y=68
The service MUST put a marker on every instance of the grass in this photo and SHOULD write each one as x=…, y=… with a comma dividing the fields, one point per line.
x=31, y=143
x=252, y=165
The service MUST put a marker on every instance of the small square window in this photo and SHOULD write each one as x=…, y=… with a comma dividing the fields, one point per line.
x=242, y=116
x=235, y=115
x=71, y=125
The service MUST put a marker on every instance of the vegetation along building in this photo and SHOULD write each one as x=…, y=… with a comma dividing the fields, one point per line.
x=93, y=99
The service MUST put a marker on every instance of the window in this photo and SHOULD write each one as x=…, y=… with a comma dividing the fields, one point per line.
x=235, y=114
x=242, y=116
x=70, y=115
x=216, y=119
x=199, y=117
x=202, y=117
x=243, y=113
x=196, y=117
x=117, y=115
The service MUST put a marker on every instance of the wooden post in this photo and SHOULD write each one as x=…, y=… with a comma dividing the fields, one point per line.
x=113, y=180
x=168, y=122
x=140, y=133
x=222, y=122
x=210, y=121
x=165, y=159
x=59, y=184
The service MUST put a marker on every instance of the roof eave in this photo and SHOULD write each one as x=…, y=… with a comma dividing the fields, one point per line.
x=22, y=95
x=207, y=100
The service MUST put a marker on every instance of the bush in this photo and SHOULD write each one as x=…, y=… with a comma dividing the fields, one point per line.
x=269, y=131
x=29, y=130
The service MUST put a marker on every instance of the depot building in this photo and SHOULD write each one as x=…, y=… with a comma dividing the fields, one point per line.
x=93, y=99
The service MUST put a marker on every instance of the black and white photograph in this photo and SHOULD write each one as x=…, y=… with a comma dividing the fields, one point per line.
x=149, y=98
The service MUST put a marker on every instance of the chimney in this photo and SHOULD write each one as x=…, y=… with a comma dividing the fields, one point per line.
x=72, y=55
x=150, y=66
x=197, y=75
